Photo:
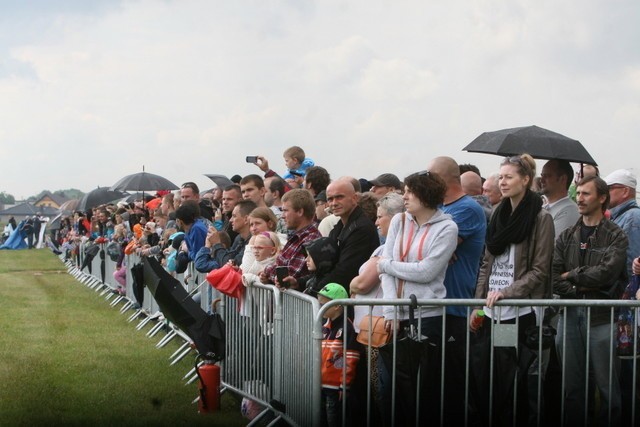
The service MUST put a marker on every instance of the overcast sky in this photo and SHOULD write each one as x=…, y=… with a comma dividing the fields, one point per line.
x=91, y=91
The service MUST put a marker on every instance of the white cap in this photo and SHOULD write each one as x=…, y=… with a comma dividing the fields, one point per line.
x=623, y=177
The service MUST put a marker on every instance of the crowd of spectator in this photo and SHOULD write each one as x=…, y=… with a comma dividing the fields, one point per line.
x=443, y=233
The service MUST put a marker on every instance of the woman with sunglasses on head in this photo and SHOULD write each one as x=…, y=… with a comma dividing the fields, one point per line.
x=419, y=245
x=516, y=265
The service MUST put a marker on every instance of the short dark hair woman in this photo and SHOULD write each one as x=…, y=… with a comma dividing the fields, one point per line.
x=419, y=245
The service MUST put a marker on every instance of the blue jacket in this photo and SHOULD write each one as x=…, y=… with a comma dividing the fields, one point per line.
x=627, y=216
x=195, y=238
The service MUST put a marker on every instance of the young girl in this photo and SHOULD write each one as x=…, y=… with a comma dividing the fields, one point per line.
x=264, y=248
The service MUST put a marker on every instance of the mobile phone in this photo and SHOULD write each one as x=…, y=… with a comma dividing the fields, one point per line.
x=251, y=159
x=281, y=273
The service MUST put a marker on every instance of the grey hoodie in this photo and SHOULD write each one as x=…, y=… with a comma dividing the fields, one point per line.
x=423, y=278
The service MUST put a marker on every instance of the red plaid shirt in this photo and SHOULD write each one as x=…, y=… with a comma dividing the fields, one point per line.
x=292, y=256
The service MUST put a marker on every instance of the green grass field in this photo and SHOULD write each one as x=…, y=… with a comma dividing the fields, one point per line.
x=68, y=358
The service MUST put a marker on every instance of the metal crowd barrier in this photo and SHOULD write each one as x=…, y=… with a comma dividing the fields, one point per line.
x=505, y=335
x=274, y=350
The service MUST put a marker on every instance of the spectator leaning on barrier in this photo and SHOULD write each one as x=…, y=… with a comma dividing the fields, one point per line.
x=297, y=210
x=195, y=232
x=414, y=261
x=213, y=254
x=589, y=263
x=516, y=264
x=322, y=255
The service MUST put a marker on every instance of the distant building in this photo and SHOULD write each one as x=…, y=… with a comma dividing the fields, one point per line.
x=25, y=209
x=50, y=200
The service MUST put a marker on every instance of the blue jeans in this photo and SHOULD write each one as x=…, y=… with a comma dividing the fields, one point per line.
x=601, y=358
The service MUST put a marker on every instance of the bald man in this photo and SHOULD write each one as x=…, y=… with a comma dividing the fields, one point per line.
x=355, y=233
x=471, y=183
x=459, y=280
x=472, y=186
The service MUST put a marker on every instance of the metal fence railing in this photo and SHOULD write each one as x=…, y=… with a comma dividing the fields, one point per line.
x=274, y=356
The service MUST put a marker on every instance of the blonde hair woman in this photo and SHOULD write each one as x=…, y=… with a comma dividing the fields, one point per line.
x=516, y=264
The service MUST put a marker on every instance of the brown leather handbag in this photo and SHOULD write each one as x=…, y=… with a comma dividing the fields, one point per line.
x=378, y=335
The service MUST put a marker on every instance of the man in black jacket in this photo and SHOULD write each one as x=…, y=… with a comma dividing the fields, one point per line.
x=355, y=234
x=589, y=263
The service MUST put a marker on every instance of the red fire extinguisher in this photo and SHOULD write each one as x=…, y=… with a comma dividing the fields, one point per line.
x=209, y=375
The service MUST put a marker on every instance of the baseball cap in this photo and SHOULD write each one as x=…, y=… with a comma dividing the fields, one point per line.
x=333, y=291
x=623, y=177
x=387, y=180
x=321, y=197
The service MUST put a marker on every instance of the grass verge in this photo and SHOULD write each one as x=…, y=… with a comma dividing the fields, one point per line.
x=68, y=358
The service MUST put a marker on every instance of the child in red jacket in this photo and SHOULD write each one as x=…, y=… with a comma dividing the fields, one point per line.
x=338, y=371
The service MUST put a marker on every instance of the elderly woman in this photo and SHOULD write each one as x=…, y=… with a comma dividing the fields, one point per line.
x=367, y=283
x=414, y=261
x=516, y=264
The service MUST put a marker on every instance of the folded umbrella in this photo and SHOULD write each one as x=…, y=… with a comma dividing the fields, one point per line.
x=206, y=330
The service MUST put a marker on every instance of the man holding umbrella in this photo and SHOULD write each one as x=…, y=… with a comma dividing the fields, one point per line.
x=555, y=180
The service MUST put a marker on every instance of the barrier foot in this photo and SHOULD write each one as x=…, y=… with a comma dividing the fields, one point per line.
x=181, y=356
x=181, y=348
x=191, y=372
x=134, y=315
x=192, y=379
x=164, y=341
x=125, y=307
x=143, y=323
x=153, y=331
x=116, y=301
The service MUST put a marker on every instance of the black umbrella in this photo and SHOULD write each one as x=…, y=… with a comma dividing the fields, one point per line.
x=206, y=330
x=220, y=180
x=143, y=181
x=69, y=206
x=99, y=196
x=540, y=143
x=136, y=196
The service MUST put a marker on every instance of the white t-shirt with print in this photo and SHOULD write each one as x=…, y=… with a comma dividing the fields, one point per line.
x=502, y=276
